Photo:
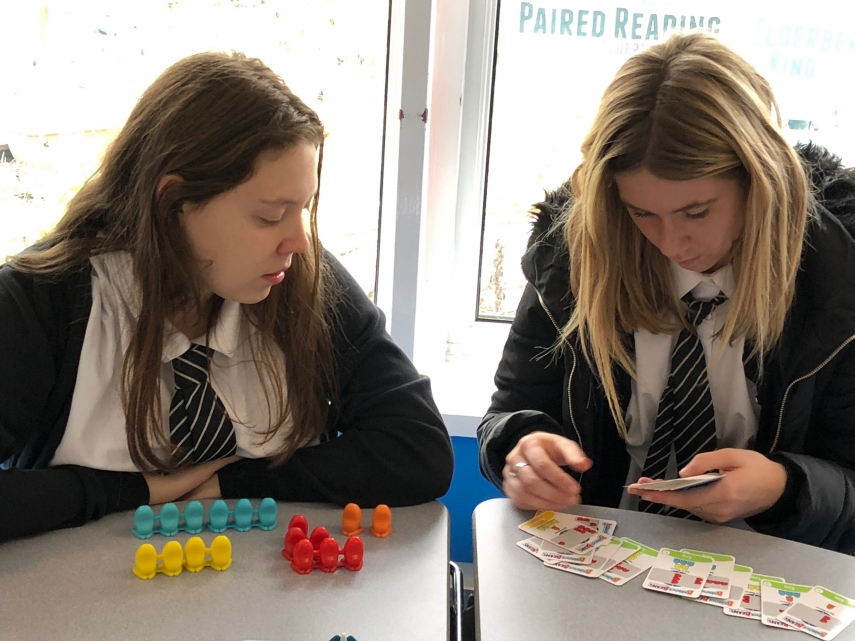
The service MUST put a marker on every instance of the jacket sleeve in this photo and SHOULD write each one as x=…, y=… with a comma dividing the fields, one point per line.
x=823, y=476
x=34, y=501
x=529, y=387
x=392, y=446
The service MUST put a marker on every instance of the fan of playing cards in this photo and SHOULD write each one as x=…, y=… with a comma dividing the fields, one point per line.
x=588, y=547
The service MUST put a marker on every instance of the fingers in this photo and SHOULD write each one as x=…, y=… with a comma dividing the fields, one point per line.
x=533, y=478
x=726, y=459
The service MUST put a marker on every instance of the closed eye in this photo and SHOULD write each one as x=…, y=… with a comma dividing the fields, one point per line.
x=268, y=222
x=698, y=215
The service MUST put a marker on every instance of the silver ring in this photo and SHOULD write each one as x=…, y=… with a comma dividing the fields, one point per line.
x=520, y=465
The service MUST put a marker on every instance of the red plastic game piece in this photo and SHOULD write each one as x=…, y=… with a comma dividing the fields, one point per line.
x=381, y=521
x=292, y=537
x=299, y=521
x=354, y=552
x=328, y=555
x=319, y=534
x=304, y=556
x=351, y=520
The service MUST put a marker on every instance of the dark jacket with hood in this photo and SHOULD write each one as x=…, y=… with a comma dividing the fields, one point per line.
x=806, y=393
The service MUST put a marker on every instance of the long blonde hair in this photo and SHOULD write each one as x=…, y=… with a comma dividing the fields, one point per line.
x=684, y=109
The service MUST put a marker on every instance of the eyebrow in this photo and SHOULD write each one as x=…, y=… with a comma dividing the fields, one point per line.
x=692, y=205
x=278, y=201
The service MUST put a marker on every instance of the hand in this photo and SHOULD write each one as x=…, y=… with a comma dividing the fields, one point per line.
x=752, y=484
x=541, y=484
x=173, y=486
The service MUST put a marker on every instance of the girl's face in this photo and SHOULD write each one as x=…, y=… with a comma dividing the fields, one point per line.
x=692, y=222
x=245, y=238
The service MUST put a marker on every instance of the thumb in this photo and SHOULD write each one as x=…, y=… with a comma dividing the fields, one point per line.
x=726, y=459
x=567, y=452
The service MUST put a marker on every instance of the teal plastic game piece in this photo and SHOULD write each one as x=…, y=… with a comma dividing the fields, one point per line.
x=170, y=521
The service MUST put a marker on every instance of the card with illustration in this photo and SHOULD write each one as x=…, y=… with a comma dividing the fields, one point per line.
x=748, y=607
x=777, y=596
x=578, y=534
x=598, y=565
x=679, y=573
x=718, y=582
x=626, y=550
x=625, y=571
x=738, y=584
x=678, y=484
x=820, y=613
x=531, y=545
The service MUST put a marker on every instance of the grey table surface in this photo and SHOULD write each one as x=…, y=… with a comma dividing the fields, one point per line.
x=78, y=584
x=520, y=598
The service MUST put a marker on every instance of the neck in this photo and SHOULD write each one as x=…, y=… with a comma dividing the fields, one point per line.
x=192, y=322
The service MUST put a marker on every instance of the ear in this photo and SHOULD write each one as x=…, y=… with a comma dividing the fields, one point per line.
x=168, y=181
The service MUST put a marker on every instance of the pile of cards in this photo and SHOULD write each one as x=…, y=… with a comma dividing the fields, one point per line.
x=588, y=547
x=585, y=546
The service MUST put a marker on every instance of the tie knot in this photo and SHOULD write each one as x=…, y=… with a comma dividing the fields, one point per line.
x=700, y=309
x=191, y=367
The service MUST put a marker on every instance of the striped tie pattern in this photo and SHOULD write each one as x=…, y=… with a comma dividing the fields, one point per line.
x=199, y=426
x=685, y=422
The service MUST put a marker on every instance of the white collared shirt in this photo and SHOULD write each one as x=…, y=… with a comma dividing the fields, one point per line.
x=95, y=435
x=734, y=396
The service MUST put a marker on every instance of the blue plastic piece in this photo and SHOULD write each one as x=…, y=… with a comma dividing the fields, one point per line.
x=171, y=521
x=243, y=518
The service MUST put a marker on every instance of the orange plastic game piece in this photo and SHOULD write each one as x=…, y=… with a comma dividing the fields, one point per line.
x=381, y=521
x=351, y=520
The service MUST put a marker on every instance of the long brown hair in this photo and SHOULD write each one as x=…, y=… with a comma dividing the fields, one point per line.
x=684, y=109
x=206, y=119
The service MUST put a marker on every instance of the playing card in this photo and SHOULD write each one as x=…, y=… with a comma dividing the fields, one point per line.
x=679, y=484
x=531, y=545
x=738, y=584
x=626, y=550
x=640, y=561
x=749, y=606
x=717, y=585
x=564, y=530
x=579, y=534
x=598, y=564
x=679, y=573
x=777, y=596
x=820, y=613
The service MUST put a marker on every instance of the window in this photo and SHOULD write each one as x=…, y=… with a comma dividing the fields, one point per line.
x=553, y=60
x=72, y=72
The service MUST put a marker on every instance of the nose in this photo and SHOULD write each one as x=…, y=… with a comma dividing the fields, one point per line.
x=295, y=237
x=673, y=241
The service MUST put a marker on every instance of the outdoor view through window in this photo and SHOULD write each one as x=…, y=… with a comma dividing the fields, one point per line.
x=554, y=59
x=72, y=71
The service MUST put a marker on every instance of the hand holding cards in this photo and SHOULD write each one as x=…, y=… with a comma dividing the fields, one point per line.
x=678, y=484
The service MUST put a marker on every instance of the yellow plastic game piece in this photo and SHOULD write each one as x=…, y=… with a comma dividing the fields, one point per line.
x=351, y=520
x=193, y=557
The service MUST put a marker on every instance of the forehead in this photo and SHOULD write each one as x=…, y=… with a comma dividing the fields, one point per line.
x=291, y=174
x=642, y=189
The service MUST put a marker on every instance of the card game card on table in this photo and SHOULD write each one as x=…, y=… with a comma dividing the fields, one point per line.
x=578, y=534
x=599, y=564
x=639, y=561
x=679, y=573
x=820, y=613
x=717, y=585
x=749, y=606
x=777, y=596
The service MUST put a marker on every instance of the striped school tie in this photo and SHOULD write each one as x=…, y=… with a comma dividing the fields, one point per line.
x=686, y=419
x=200, y=428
